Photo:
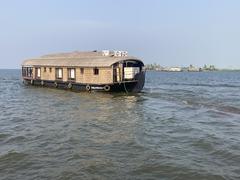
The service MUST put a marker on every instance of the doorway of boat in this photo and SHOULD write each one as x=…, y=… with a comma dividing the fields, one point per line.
x=116, y=74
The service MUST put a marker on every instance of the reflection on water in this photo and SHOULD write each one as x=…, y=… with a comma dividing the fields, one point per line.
x=182, y=126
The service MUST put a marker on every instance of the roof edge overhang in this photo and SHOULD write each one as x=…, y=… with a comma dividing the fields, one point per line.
x=78, y=62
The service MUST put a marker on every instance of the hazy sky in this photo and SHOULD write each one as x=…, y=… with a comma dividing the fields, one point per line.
x=168, y=32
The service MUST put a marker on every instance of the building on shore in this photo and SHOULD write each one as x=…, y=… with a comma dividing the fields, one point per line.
x=175, y=69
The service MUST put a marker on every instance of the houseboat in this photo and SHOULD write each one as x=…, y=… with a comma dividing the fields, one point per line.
x=106, y=70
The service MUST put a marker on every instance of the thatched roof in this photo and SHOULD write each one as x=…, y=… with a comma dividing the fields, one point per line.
x=82, y=59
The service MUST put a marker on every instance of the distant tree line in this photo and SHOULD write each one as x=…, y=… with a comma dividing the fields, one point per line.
x=153, y=66
x=191, y=67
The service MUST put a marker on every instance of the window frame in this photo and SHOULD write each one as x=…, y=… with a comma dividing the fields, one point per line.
x=57, y=73
x=96, y=71
x=27, y=72
x=82, y=71
x=38, y=72
x=70, y=78
x=24, y=71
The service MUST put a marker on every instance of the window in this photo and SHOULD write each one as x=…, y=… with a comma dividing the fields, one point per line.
x=24, y=71
x=82, y=70
x=71, y=74
x=27, y=71
x=45, y=69
x=59, y=73
x=38, y=72
x=95, y=71
x=50, y=70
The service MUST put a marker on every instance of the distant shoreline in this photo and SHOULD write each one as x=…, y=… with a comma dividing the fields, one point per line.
x=219, y=70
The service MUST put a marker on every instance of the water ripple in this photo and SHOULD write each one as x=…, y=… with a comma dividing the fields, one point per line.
x=182, y=126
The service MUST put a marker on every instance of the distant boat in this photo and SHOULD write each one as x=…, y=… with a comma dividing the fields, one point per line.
x=86, y=71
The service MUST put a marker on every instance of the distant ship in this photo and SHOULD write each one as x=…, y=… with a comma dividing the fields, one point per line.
x=106, y=70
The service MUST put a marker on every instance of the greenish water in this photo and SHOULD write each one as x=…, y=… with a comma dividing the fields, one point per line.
x=182, y=126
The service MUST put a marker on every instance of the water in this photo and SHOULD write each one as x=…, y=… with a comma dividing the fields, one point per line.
x=182, y=126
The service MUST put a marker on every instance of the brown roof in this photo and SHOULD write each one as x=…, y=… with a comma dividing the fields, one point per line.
x=84, y=59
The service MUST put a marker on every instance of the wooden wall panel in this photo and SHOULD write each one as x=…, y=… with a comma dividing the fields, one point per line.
x=47, y=75
x=105, y=75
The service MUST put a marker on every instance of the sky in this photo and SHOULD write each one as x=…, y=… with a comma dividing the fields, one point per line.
x=166, y=32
